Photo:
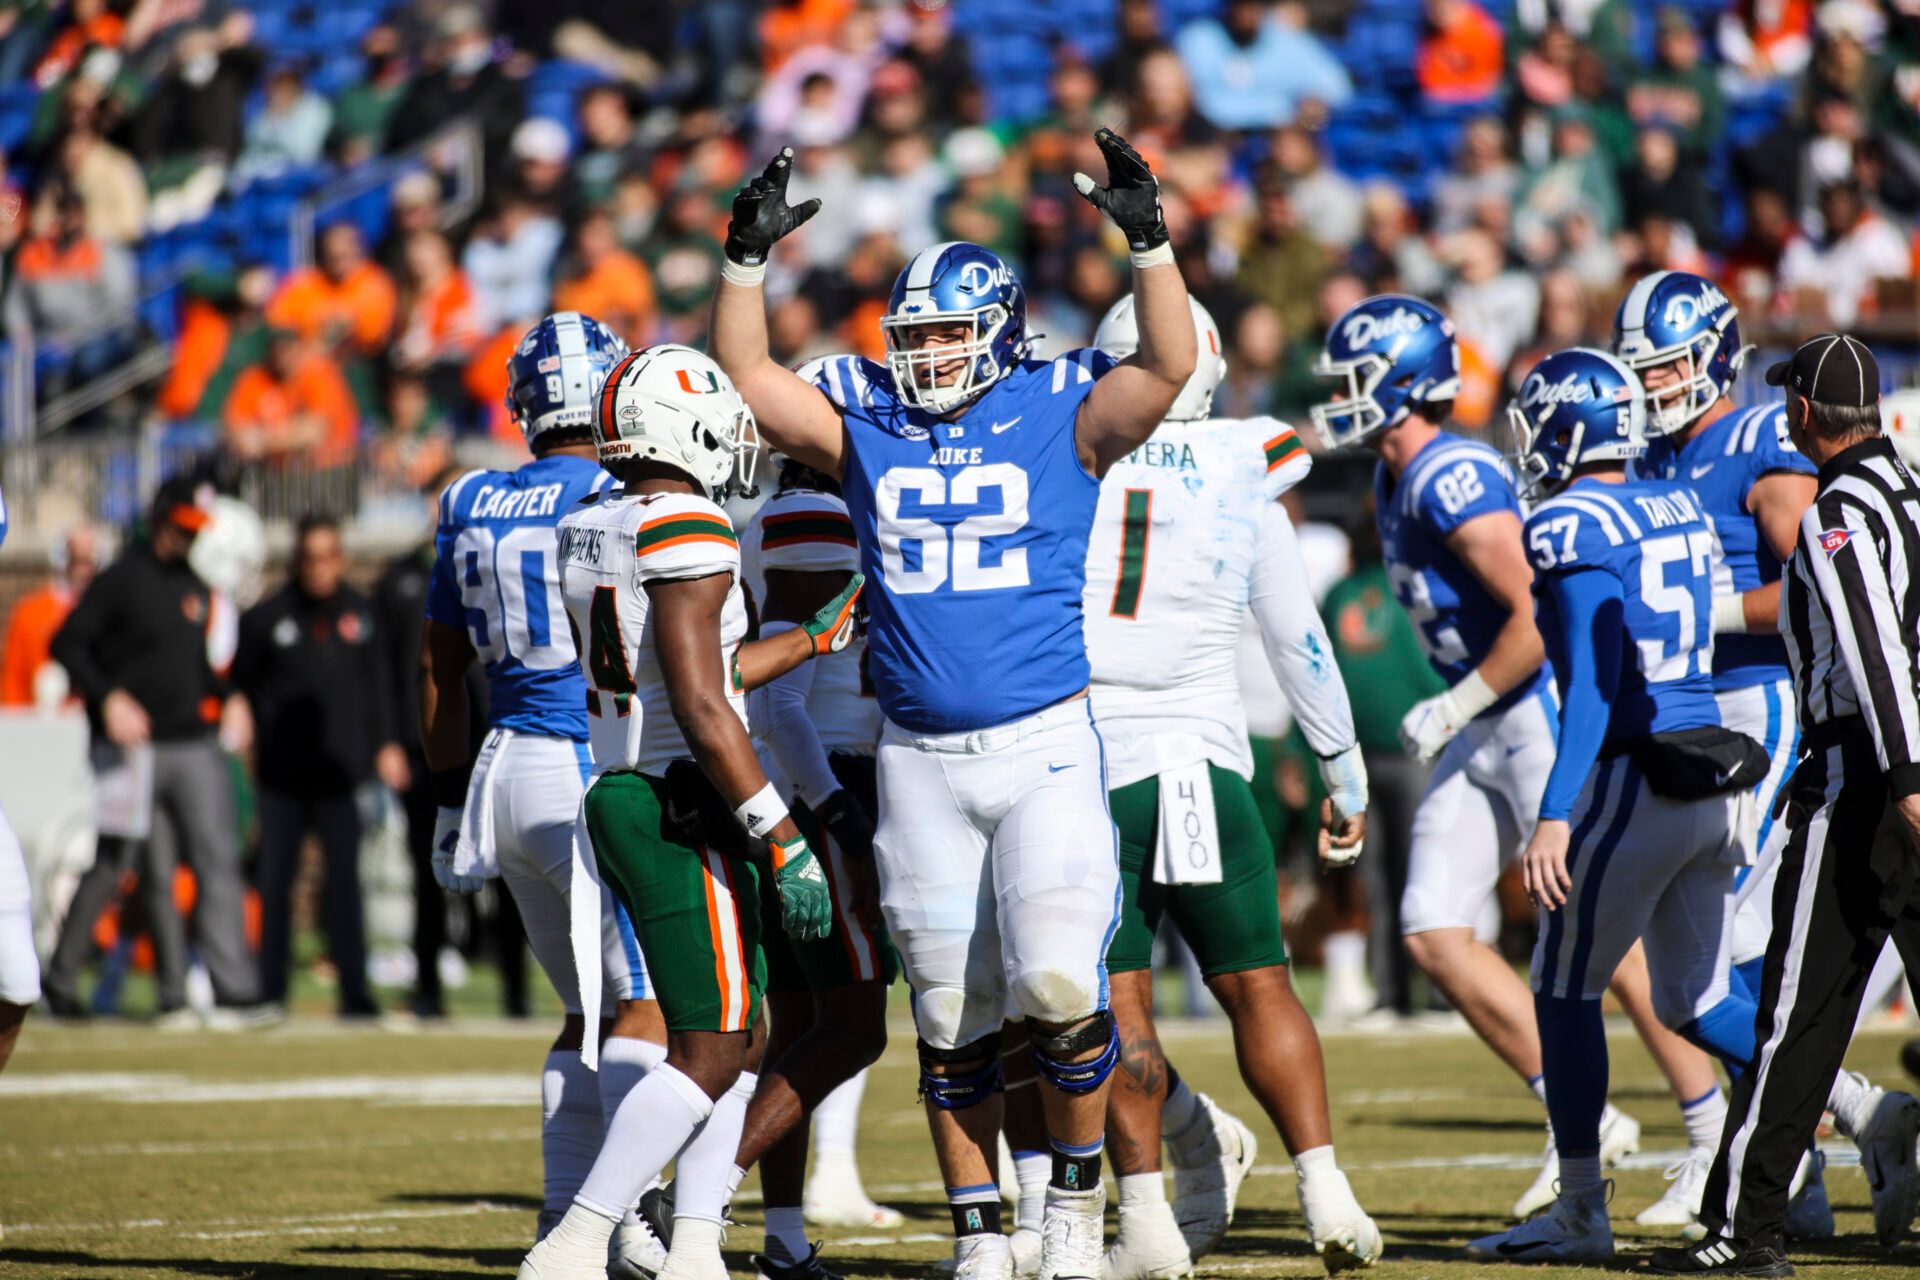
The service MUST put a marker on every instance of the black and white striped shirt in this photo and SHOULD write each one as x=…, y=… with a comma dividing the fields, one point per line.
x=1850, y=605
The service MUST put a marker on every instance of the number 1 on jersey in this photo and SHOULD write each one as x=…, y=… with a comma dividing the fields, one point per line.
x=1135, y=525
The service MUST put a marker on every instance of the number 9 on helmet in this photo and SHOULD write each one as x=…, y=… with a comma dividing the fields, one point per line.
x=556, y=372
x=673, y=405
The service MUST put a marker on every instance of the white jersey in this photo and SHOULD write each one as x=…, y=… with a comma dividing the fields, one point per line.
x=1187, y=525
x=611, y=546
x=810, y=532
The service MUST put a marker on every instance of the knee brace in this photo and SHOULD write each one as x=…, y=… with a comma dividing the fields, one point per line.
x=1053, y=1053
x=976, y=1079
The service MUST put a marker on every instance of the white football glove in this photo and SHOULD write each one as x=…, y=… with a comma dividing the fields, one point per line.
x=1430, y=724
x=1345, y=777
x=446, y=841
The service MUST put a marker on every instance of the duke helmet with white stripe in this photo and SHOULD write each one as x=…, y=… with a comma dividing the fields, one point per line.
x=556, y=372
x=1119, y=336
x=1673, y=316
x=1392, y=354
x=1577, y=406
x=947, y=284
x=674, y=405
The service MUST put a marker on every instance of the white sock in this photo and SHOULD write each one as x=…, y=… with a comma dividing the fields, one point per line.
x=1704, y=1118
x=1138, y=1190
x=695, y=1239
x=624, y=1063
x=836, y=1121
x=734, y=1179
x=1539, y=1086
x=1577, y=1173
x=570, y=1127
x=580, y=1239
x=1313, y=1165
x=656, y=1119
x=1851, y=1101
x=1031, y=1169
x=1345, y=955
x=702, y=1177
x=786, y=1234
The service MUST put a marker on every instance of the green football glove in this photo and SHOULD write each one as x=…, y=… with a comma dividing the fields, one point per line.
x=806, y=905
x=831, y=629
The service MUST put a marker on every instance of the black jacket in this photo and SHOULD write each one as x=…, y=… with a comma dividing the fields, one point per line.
x=315, y=676
x=142, y=627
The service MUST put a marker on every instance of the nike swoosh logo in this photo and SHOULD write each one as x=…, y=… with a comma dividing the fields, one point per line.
x=1507, y=1249
x=1697, y=472
x=998, y=427
x=1058, y=768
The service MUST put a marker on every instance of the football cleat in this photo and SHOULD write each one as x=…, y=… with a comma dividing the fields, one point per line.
x=1573, y=1229
x=1809, y=1213
x=1886, y=1145
x=1148, y=1245
x=808, y=1268
x=1025, y=1243
x=1073, y=1234
x=1619, y=1138
x=1207, y=1178
x=695, y=1253
x=551, y=1259
x=1337, y=1227
x=986, y=1257
x=635, y=1252
x=1719, y=1256
x=1686, y=1183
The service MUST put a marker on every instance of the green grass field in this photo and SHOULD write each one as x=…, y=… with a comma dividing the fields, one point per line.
x=312, y=1150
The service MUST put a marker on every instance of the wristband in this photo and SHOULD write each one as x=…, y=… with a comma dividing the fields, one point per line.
x=741, y=274
x=1470, y=697
x=761, y=812
x=1730, y=615
x=1160, y=255
x=449, y=786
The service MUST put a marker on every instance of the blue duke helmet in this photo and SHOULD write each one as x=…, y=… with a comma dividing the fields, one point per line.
x=1577, y=406
x=955, y=283
x=1674, y=316
x=555, y=374
x=1391, y=354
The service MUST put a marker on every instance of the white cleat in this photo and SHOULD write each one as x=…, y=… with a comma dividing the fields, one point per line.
x=635, y=1252
x=982, y=1258
x=551, y=1259
x=695, y=1252
x=1073, y=1234
x=1619, y=1138
x=1025, y=1243
x=1148, y=1245
x=1338, y=1228
x=1206, y=1184
x=1686, y=1184
x=1574, y=1229
x=835, y=1197
x=1886, y=1145
x=1809, y=1212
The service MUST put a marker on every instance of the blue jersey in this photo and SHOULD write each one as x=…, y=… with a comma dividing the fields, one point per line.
x=1721, y=464
x=973, y=537
x=497, y=577
x=1448, y=483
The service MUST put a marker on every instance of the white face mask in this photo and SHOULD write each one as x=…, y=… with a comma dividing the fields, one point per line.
x=198, y=70
x=470, y=59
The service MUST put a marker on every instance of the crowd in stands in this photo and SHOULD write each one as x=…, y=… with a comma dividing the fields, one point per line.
x=1516, y=160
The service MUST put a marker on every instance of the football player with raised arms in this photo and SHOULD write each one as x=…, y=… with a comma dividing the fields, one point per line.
x=494, y=597
x=972, y=474
x=1450, y=533
x=1680, y=333
x=1190, y=538
x=1638, y=829
x=678, y=802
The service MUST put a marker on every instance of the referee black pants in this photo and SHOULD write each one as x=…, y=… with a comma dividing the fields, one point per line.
x=1846, y=875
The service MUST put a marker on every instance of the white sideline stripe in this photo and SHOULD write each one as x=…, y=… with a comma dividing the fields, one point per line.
x=307, y=1223
x=1840, y=1155
x=518, y=1089
x=123, y=1150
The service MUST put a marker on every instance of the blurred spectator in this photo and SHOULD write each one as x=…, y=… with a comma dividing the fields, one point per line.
x=1679, y=90
x=1754, y=261
x=824, y=83
x=940, y=60
x=1826, y=154
x=1661, y=183
x=794, y=333
x=309, y=665
x=1482, y=173
x=908, y=182
x=1837, y=267
x=223, y=329
x=1253, y=66
x=189, y=131
x=1493, y=305
x=1566, y=320
x=71, y=288
x=87, y=24
x=1391, y=254
x=437, y=317
x=1284, y=264
x=600, y=279
x=610, y=143
x=346, y=302
x=1544, y=74
x=541, y=148
x=290, y=130
x=1460, y=58
x=1255, y=350
x=509, y=262
x=293, y=406
x=462, y=79
x=684, y=257
x=363, y=111
x=1160, y=110
x=414, y=443
x=1140, y=33
x=1765, y=41
x=788, y=27
x=28, y=675
x=1328, y=203
x=979, y=207
x=107, y=180
x=413, y=204
x=1578, y=177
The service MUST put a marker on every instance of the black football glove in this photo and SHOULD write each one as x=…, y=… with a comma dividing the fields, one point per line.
x=1131, y=197
x=761, y=215
x=847, y=823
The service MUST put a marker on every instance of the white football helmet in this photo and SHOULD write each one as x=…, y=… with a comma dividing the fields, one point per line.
x=674, y=405
x=1119, y=336
x=231, y=552
x=1900, y=419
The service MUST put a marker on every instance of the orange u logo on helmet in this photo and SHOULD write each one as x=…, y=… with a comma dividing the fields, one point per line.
x=698, y=382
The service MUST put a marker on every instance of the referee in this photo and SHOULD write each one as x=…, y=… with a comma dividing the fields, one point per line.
x=1850, y=607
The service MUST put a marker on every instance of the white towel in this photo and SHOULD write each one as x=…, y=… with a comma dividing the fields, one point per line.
x=1188, y=848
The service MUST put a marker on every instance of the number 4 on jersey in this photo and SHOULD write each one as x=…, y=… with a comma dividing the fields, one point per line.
x=607, y=655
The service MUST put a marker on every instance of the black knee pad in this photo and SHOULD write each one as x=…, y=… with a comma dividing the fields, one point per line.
x=1053, y=1053
x=978, y=1080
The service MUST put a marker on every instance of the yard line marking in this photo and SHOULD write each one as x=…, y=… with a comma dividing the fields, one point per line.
x=479, y=1089
x=268, y=1146
x=310, y=1223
